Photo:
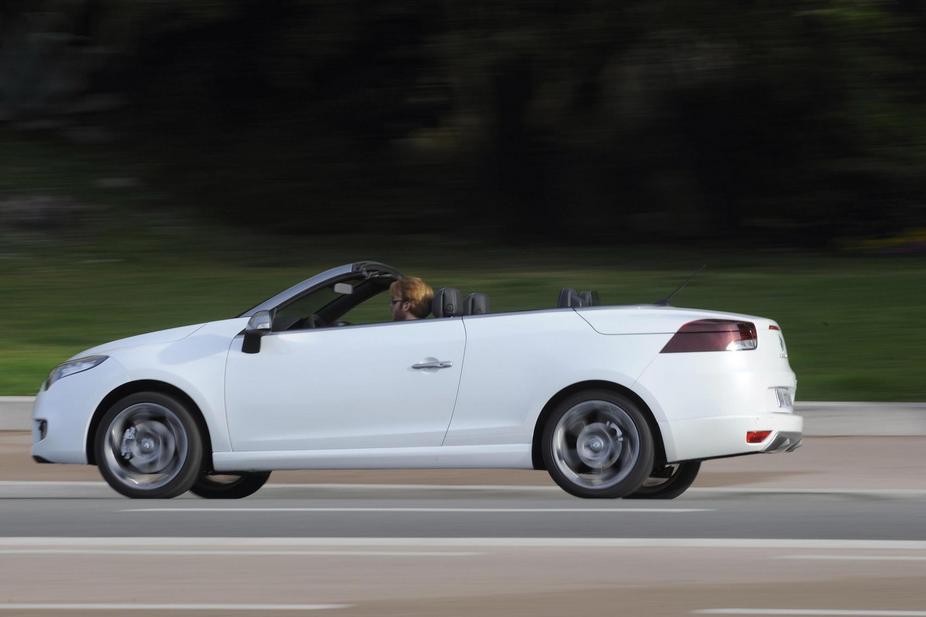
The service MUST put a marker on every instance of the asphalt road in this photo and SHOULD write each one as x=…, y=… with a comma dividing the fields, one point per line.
x=837, y=528
x=343, y=511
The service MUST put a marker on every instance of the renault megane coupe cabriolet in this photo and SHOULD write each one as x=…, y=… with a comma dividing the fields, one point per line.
x=612, y=401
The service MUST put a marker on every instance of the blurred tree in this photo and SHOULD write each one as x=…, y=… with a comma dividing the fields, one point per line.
x=782, y=122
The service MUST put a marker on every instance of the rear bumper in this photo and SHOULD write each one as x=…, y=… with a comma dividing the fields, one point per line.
x=705, y=403
x=721, y=436
x=785, y=442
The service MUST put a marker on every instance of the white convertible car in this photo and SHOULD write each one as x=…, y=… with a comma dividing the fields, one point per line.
x=613, y=401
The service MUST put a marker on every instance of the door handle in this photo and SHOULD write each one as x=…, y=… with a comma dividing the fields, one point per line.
x=433, y=364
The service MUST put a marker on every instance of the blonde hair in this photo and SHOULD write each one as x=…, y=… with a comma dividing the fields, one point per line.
x=416, y=292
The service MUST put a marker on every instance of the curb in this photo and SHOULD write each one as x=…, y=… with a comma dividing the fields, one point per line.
x=821, y=419
x=832, y=419
x=16, y=413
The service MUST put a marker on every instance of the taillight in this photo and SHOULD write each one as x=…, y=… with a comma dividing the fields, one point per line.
x=757, y=436
x=713, y=335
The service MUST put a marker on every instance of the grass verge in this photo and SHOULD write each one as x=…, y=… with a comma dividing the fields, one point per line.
x=852, y=324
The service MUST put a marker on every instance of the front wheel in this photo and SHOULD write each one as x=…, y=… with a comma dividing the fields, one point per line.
x=229, y=486
x=148, y=445
x=668, y=482
x=598, y=444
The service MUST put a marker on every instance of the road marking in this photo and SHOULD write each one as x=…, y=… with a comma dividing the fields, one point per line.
x=313, y=485
x=167, y=607
x=810, y=611
x=854, y=557
x=467, y=543
x=508, y=488
x=900, y=492
x=51, y=483
x=41, y=483
x=442, y=510
x=249, y=553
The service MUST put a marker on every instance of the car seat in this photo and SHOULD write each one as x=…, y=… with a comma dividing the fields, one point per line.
x=476, y=304
x=589, y=298
x=446, y=303
x=568, y=298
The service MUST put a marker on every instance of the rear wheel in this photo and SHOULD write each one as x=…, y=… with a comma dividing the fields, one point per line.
x=148, y=445
x=668, y=482
x=598, y=444
x=229, y=486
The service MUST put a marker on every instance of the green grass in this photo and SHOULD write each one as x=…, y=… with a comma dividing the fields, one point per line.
x=852, y=324
x=130, y=263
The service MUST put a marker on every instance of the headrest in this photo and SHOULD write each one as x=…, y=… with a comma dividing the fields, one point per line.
x=568, y=298
x=476, y=304
x=446, y=302
x=589, y=298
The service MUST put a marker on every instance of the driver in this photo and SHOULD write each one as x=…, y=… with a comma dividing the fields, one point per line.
x=411, y=298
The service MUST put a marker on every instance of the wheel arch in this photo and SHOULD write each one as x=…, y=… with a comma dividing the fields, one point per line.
x=537, y=457
x=148, y=385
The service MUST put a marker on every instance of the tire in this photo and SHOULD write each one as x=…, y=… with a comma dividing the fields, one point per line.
x=680, y=477
x=149, y=446
x=229, y=486
x=598, y=444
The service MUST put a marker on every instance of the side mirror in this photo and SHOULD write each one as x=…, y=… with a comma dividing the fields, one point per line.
x=259, y=324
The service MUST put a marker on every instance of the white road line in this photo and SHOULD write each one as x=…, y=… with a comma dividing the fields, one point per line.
x=314, y=485
x=442, y=510
x=167, y=607
x=910, y=492
x=854, y=557
x=248, y=553
x=49, y=483
x=467, y=543
x=508, y=488
x=811, y=612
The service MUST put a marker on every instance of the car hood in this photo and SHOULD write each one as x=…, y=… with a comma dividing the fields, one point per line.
x=151, y=338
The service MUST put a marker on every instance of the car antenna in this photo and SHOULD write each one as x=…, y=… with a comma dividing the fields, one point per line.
x=665, y=301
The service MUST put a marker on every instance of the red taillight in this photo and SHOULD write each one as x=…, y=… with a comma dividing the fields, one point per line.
x=713, y=335
x=757, y=436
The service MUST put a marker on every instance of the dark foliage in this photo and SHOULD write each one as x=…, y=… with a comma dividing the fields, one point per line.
x=592, y=120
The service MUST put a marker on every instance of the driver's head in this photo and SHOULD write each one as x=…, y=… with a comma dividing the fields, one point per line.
x=410, y=298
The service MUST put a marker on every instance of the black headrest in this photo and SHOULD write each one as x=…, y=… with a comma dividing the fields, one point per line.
x=446, y=302
x=589, y=298
x=476, y=304
x=568, y=298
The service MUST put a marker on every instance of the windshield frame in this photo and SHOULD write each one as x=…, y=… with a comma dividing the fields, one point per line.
x=333, y=275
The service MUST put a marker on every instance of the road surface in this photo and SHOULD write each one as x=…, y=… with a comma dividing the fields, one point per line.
x=836, y=528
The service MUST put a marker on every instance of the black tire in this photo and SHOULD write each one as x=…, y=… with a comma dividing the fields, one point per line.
x=680, y=476
x=606, y=430
x=229, y=486
x=145, y=425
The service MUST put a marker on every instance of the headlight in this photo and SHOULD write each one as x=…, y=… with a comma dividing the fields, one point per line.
x=70, y=367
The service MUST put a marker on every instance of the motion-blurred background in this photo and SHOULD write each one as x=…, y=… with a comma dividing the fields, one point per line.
x=171, y=161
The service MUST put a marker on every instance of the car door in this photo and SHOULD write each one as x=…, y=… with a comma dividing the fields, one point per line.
x=372, y=386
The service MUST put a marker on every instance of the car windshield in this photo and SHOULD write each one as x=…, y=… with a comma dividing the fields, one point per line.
x=268, y=299
x=340, y=302
x=375, y=270
x=297, y=314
